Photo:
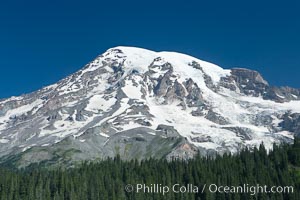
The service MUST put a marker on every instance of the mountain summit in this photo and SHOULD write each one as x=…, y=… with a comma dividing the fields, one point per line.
x=139, y=104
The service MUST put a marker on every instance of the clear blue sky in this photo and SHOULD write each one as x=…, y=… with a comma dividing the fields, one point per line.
x=44, y=41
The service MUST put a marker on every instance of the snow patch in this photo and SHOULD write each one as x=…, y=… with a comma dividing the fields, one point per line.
x=3, y=141
x=97, y=102
x=104, y=135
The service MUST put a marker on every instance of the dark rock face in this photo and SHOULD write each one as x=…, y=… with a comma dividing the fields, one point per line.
x=245, y=76
x=201, y=139
x=242, y=132
x=169, y=131
x=168, y=87
x=291, y=122
x=251, y=83
x=282, y=94
x=179, y=89
x=228, y=82
x=162, y=86
x=175, y=91
x=207, y=79
x=194, y=97
x=215, y=117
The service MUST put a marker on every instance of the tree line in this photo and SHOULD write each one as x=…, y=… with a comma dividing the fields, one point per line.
x=107, y=179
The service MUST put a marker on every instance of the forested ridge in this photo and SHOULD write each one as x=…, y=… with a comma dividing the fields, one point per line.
x=107, y=179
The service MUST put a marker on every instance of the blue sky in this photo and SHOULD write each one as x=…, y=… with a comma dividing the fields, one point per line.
x=44, y=41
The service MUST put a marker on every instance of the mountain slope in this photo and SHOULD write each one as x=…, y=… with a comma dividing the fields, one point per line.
x=139, y=103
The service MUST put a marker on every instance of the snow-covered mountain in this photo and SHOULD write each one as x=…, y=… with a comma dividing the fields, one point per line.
x=140, y=103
